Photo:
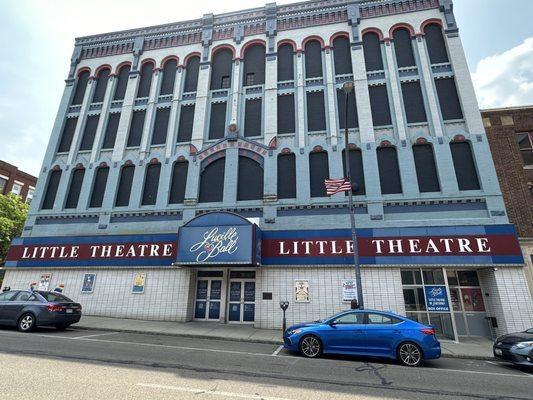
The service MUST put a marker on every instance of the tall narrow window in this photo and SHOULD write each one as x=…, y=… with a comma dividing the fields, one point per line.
x=356, y=170
x=313, y=59
x=342, y=56
x=179, y=182
x=450, y=105
x=389, y=171
x=186, y=123
x=212, y=182
x=403, y=48
x=352, y=109
x=286, y=114
x=67, y=135
x=287, y=176
x=122, y=84
x=435, y=44
x=99, y=186
x=465, y=167
x=316, y=113
x=217, y=123
x=250, y=180
x=111, y=131
x=147, y=71
x=151, y=184
x=51, y=189
x=252, y=118
x=379, y=104
x=81, y=86
x=415, y=110
x=221, y=71
x=74, y=189
x=169, y=77
x=285, y=63
x=89, y=132
x=372, y=52
x=426, y=170
x=161, y=126
x=191, y=74
x=254, y=64
x=136, y=129
x=101, y=85
x=319, y=172
x=124, y=186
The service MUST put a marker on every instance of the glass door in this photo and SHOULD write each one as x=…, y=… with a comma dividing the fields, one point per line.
x=208, y=298
x=241, y=299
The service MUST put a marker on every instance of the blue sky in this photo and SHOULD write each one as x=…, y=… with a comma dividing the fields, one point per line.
x=37, y=37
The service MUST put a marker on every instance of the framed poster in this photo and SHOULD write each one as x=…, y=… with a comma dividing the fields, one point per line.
x=88, y=283
x=139, y=280
x=349, y=290
x=301, y=291
x=44, y=282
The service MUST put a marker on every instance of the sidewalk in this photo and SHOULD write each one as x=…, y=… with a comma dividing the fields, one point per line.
x=473, y=348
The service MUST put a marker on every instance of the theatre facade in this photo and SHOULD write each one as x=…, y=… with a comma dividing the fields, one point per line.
x=184, y=177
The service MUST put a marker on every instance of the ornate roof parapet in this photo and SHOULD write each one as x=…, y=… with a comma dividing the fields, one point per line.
x=207, y=34
x=271, y=25
x=446, y=7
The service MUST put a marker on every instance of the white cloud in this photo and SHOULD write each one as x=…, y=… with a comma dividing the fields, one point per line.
x=506, y=79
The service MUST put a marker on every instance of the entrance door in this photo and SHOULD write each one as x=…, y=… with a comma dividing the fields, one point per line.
x=241, y=299
x=208, y=297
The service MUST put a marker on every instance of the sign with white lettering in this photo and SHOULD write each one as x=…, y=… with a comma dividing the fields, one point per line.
x=437, y=298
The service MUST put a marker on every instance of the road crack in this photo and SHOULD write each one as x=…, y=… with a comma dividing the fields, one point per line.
x=376, y=371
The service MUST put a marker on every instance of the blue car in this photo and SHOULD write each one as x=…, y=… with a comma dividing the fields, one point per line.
x=365, y=333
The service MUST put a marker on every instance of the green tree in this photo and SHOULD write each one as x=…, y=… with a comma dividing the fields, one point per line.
x=13, y=214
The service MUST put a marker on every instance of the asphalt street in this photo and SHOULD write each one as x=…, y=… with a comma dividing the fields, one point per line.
x=84, y=364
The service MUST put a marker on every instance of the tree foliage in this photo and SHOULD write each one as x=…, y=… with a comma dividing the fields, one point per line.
x=13, y=214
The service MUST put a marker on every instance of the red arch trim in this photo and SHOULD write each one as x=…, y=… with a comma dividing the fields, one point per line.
x=122, y=64
x=216, y=49
x=167, y=59
x=101, y=68
x=402, y=25
x=429, y=22
x=290, y=42
x=82, y=70
x=373, y=30
x=148, y=60
x=311, y=38
x=251, y=43
x=338, y=35
x=189, y=56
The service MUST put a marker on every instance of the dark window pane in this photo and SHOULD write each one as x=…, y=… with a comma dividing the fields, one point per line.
x=433, y=277
x=179, y=182
x=468, y=278
x=124, y=186
x=426, y=170
x=101, y=86
x=169, y=77
x=75, y=188
x=51, y=190
x=286, y=114
x=151, y=183
x=352, y=109
x=372, y=51
x=186, y=123
x=414, y=102
x=254, y=63
x=212, y=182
x=403, y=48
x=250, y=182
x=285, y=63
x=435, y=44
x=342, y=56
x=145, y=80
x=414, y=299
x=221, y=67
x=191, y=74
x=356, y=170
x=100, y=182
x=111, y=131
x=389, y=172
x=379, y=103
x=465, y=168
x=226, y=82
x=450, y=105
x=252, y=118
x=316, y=113
x=122, y=84
x=81, y=86
x=161, y=126
x=319, y=172
x=286, y=176
x=250, y=79
x=136, y=129
x=217, y=123
x=313, y=59
x=67, y=135
x=89, y=132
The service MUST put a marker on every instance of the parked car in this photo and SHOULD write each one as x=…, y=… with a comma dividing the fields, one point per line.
x=365, y=333
x=27, y=309
x=515, y=347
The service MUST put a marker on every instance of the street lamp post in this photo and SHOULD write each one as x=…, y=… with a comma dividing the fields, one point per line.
x=347, y=87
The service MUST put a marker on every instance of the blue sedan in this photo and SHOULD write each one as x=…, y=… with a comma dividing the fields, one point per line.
x=365, y=333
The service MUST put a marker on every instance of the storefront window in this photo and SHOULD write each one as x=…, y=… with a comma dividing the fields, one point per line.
x=411, y=277
x=433, y=277
x=456, y=301
x=472, y=299
x=467, y=278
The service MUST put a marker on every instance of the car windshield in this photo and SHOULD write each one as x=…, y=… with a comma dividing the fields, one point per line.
x=529, y=330
x=55, y=297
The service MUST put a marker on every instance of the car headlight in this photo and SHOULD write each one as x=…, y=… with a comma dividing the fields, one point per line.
x=524, y=345
x=293, y=332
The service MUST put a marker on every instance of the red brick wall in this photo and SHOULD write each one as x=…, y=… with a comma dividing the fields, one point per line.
x=13, y=173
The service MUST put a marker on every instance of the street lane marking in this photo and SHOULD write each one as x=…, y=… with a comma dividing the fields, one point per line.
x=276, y=352
x=211, y=392
x=97, y=334
x=474, y=372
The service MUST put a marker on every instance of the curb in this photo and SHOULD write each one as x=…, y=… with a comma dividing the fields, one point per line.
x=248, y=340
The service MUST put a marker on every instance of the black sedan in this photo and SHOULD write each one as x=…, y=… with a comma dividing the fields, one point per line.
x=27, y=309
x=515, y=347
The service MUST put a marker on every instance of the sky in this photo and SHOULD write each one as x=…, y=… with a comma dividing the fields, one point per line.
x=37, y=38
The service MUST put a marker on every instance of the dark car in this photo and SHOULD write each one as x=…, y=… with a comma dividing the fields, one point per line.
x=27, y=309
x=365, y=333
x=515, y=347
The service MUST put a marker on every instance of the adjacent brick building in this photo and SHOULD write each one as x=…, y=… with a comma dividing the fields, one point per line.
x=13, y=180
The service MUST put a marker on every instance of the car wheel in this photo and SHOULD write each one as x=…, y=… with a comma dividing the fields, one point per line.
x=410, y=354
x=26, y=323
x=62, y=327
x=310, y=346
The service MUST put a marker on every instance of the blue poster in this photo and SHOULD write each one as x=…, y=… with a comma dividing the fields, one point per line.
x=437, y=298
x=88, y=283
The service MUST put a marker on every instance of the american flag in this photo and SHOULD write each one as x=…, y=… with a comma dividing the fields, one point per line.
x=334, y=186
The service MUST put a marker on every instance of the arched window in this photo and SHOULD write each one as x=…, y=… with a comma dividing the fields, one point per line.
x=68, y=134
x=250, y=181
x=389, y=171
x=191, y=74
x=415, y=110
x=379, y=104
x=51, y=189
x=74, y=189
x=122, y=84
x=99, y=186
x=221, y=70
x=90, y=132
x=356, y=170
x=426, y=170
x=101, y=85
x=403, y=48
x=169, y=77
x=186, y=123
x=136, y=128
x=287, y=176
x=450, y=105
x=111, y=131
x=159, y=136
x=313, y=59
x=217, y=121
x=151, y=184
x=212, y=182
x=124, y=186
x=316, y=113
x=435, y=44
x=319, y=172
x=147, y=71
x=254, y=65
x=285, y=63
x=81, y=86
x=179, y=182
x=465, y=167
x=353, y=120
x=372, y=52
x=286, y=114
x=252, y=117
x=342, y=56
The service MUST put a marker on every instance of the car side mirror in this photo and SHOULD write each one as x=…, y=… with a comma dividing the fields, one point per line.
x=333, y=323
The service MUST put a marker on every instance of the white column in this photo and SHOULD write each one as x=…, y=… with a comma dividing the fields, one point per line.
x=201, y=106
x=104, y=116
x=362, y=97
x=150, y=114
x=396, y=92
x=271, y=99
x=81, y=121
x=174, y=112
x=125, y=118
x=236, y=93
x=300, y=100
x=331, y=96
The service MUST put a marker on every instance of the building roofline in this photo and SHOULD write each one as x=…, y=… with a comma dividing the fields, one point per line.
x=513, y=108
